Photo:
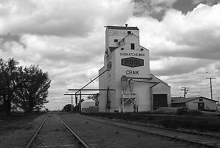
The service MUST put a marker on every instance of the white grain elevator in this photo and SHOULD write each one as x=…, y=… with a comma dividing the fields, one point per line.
x=130, y=87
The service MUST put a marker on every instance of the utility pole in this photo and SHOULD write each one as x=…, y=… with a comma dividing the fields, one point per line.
x=218, y=101
x=71, y=103
x=210, y=85
x=184, y=89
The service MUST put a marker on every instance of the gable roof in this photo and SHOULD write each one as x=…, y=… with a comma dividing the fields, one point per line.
x=154, y=77
x=185, y=100
x=122, y=28
x=132, y=34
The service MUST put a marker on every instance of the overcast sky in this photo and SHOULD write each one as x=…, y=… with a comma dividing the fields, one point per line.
x=66, y=39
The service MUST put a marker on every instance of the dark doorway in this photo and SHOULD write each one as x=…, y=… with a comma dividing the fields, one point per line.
x=159, y=100
x=201, y=106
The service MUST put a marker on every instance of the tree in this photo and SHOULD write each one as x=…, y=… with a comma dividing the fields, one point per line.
x=95, y=98
x=67, y=108
x=26, y=88
x=9, y=82
x=34, y=93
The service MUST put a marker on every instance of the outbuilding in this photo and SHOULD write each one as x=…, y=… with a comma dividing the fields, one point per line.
x=196, y=103
x=86, y=105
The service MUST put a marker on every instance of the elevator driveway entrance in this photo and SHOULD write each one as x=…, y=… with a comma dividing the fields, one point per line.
x=159, y=100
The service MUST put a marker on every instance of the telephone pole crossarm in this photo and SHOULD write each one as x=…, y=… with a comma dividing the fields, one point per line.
x=185, y=90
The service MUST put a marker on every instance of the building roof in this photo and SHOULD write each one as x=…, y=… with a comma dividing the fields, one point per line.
x=122, y=28
x=154, y=77
x=89, y=100
x=184, y=100
x=132, y=34
x=112, y=48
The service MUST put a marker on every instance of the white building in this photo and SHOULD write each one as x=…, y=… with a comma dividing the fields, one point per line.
x=85, y=105
x=196, y=103
x=126, y=74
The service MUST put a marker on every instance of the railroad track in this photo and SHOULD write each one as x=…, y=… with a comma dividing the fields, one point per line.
x=74, y=142
x=199, y=139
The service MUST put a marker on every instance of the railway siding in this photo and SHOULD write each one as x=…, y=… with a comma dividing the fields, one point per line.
x=101, y=134
x=54, y=134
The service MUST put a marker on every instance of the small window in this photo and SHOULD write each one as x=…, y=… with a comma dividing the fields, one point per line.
x=200, y=99
x=115, y=40
x=132, y=45
x=122, y=48
x=129, y=32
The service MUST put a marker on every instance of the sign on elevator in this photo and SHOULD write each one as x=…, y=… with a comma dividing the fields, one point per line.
x=132, y=62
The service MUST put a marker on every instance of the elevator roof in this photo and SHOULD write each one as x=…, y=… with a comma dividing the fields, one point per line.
x=122, y=28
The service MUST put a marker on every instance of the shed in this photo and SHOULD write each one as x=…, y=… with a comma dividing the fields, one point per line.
x=197, y=103
x=86, y=104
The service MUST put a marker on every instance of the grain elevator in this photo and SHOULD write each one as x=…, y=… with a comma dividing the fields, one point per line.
x=125, y=77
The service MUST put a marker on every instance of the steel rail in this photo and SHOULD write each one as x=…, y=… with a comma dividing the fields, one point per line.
x=35, y=134
x=72, y=132
x=107, y=121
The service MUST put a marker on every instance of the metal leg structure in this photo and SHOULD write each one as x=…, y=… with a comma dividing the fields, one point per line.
x=127, y=98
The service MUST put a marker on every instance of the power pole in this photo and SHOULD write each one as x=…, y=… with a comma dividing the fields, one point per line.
x=184, y=89
x=218, y=101
x=210, y=85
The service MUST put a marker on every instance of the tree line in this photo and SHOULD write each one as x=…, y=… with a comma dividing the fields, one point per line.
x=22, y=88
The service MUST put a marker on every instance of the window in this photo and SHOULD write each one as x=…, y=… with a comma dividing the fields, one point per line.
x=200, y=99
x=115, y=40
x=129, y=32
x=132, y=46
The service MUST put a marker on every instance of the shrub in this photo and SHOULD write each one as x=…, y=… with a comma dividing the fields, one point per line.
x=150, y=118
x=181, y=111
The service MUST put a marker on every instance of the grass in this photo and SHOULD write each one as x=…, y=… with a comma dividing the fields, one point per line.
x=188, y=120
x=17, y=121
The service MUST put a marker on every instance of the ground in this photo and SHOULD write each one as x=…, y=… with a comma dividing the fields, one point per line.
x=16, y=131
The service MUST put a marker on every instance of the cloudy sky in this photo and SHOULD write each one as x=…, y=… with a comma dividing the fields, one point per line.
x=66, y=39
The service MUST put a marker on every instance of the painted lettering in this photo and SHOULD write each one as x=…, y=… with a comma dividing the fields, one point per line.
x=132, y=54
x=134, y=72
x=132, y=62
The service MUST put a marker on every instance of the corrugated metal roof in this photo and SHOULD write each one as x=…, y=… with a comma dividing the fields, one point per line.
x=122, y=28
x=184, y=100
